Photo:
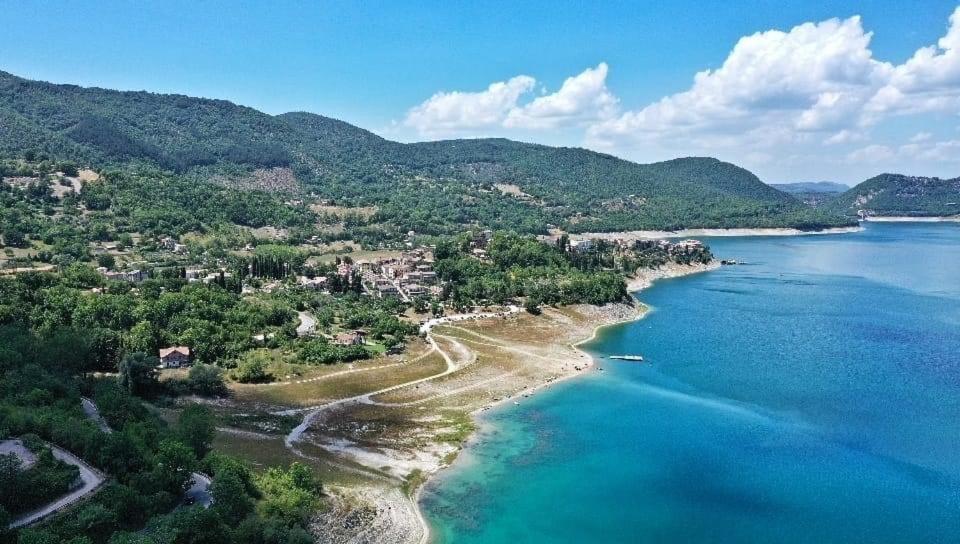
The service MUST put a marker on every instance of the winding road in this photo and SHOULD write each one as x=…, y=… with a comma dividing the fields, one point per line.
x=199, y=490
x=90, y=479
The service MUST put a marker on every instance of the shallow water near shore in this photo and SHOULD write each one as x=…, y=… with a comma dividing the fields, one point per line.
x=810, y=395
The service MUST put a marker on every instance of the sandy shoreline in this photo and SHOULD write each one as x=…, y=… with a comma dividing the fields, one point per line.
x=659, y=234
x=912, y=219
x=609, y=315
x=503, y=357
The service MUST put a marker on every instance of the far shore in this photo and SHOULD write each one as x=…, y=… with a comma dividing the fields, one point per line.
x=658, y=234
x=913, y=219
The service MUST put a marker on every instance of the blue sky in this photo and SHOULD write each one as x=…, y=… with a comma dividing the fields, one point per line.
x=827, y=95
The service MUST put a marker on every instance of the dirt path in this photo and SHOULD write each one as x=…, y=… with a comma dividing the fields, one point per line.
x=16, y=447
x=339, y=373
x=297, y=432
x=396, y=518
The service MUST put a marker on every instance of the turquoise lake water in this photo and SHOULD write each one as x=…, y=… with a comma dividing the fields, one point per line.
x=810, y=395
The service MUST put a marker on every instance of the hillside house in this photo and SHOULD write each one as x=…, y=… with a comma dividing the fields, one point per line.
x=353, y=338
x=174, y=357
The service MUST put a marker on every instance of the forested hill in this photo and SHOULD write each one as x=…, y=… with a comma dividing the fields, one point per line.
x=899, y=195
x=428, y=187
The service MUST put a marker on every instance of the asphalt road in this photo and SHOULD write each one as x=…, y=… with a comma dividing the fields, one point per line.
x=90, y=480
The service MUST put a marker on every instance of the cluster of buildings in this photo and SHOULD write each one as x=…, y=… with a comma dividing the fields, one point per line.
x=410, y=275
x=132, y=276
x=407, y=276
x=171, y=244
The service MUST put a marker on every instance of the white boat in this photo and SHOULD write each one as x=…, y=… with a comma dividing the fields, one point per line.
x=627, y=357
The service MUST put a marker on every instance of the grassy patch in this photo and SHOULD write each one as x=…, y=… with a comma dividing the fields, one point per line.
x=463, y=427
x=413, y=481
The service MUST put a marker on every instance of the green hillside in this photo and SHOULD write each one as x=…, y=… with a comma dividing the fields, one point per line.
x=899, y=195
x=431, y=187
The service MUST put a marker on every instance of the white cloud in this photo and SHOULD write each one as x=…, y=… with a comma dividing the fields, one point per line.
x=815, y=77
x=845, y=136
x=581, y=99
x=817, y=82
x=446, y=112
x=928, y=81
x=801, y=102
x=944, y=151
x=871, y=154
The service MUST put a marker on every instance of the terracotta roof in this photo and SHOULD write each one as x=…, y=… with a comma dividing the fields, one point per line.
x=183, y=350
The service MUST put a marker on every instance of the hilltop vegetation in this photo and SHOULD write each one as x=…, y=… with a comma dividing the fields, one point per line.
x=430, y=187
x=899, y=195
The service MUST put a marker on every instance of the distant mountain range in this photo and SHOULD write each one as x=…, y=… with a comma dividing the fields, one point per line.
x=804, y=187
x=899, y=195
x=432, y=187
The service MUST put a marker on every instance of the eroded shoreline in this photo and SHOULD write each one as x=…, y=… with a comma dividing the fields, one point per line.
x=612, y=314
x=912, y=219
x=684, y=233
x=381, y=430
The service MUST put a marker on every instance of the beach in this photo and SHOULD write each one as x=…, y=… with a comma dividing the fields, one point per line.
x=496, y=361
x=911, y=219
x=686, y=233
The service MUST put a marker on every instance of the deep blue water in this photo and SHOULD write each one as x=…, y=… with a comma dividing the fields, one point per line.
x=811, y=395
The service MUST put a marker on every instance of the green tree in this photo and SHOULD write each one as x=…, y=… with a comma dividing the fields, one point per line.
x=138, y=373
x=230, y=498
x=174, y=464
x=196, y=427
x=206, y=380
x=106, y=260
x=251, y=369
x=14, y=237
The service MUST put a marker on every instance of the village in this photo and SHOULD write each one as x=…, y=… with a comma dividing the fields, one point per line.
x=409, y=277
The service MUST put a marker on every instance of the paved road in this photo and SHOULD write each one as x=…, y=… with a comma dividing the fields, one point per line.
x=90, y=480
x=92, y=412
x=199, y=492
x=16, y=447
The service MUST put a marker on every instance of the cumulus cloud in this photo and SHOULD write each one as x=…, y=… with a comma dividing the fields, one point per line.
x=815, y=77
x=582, y=98
x=446, y=112
x=817, y=81
x=944, y=151
x=928, y=81
x=804, y=99
x=925, y=151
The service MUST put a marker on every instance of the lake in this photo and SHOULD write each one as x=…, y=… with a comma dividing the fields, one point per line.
x=811, y=394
